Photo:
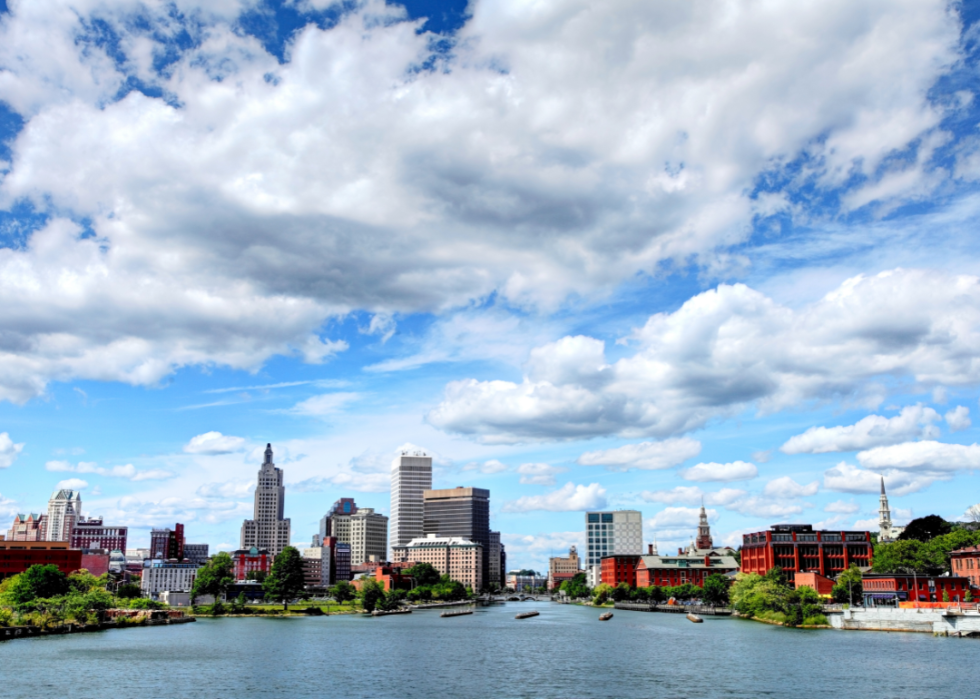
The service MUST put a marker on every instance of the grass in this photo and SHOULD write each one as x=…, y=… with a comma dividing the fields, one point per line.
x=273, y=609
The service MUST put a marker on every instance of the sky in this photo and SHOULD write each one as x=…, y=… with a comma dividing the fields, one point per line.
x=617, y=255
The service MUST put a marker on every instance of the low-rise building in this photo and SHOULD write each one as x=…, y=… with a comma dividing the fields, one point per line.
x=593, y=575
x=460, y=559
x=562, y=569
x=251, y=560
x=95, y=561
x=797, y=548
x=92, y=533
x=617, y=569
x=691, y=566
x=892, y=589
x=18, y=556
x=525, y=583
x=823, y=586
x=160, y=575
x=966, y=562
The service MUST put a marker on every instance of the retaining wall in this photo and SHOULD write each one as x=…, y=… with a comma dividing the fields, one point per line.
x=935, y=621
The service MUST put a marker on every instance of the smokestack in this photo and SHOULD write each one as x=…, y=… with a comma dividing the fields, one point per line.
x=650, y=549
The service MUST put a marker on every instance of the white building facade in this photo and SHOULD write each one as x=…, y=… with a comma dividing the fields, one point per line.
x=167, y=576
x=64, y=510
x=268, y=530
x=411, y=475
x=886, y=530
x=612, y=533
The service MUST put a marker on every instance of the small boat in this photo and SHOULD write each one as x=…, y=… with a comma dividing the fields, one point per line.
x=526, y=615
x=378, y=612
x=605, y=617
x=691, y=616
x=457, y=612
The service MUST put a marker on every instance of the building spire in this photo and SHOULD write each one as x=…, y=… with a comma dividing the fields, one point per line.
x=268, y=454
x=882, y=485
x=704, y=530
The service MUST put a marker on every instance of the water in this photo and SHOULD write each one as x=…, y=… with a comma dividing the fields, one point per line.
x=564, y=653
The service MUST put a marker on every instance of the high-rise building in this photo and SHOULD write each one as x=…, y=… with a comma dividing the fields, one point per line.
x=704, y=531
x=344, y=506
x=64, y=509
x=464, y=513
x=93, y=534
x=268, y=530
x=612, y=533
x=411, y=475
x=497, y=562
x=196, y=553
x=365, y=530
x=886, y=530
x=167, y=544
x=29, y=527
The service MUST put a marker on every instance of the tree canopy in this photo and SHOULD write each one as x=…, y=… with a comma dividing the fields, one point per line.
x=424, y=574
x=849, y=587
x=716, y=590
x=214, y=577
x=371, y=593
x=924, y=557
x=37, y=581
x=925, y=528
x=287, y=578
x=343, y=591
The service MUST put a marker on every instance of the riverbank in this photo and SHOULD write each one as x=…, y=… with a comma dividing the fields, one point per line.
x=14, y=632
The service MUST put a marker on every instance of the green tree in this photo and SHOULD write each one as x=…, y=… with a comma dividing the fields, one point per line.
x=258, y=576
x=424, y=574
x=37, y=582
x=716, y=590
x=287, y=578
x=849, y=586
x=128, y=591
x=621, y=592
x=83, y=581
x=371, y=593
x=656, y=594
x=214, y=577
x=925, y=528
x=343, y=592
x=601, y=593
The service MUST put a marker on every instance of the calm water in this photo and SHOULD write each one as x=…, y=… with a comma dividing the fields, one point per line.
x=565, y=652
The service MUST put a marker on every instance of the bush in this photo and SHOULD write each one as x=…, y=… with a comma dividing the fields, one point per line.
x=816, y=620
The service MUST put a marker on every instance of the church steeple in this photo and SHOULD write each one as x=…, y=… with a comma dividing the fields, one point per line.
x=704, y=530
x=884, y=516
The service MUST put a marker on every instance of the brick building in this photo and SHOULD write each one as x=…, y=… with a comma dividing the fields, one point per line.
x=562, y=569
x=167, y=543
x=18, y=556
x=29, y=527
x=686, y=567
x=888, y=590
x=460, y=559
x=93, y=534
x=797, y=548
x=966, y=562
x=619, y=569
x=250, y=560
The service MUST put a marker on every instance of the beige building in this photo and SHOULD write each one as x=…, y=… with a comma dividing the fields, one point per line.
x=561, y=569
x=460, y=559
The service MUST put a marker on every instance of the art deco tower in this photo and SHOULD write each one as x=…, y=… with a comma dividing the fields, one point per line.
x=268, y=530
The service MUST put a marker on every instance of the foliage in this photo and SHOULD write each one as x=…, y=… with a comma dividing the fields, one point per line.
x=424, y=574
x=526, y=571
x=390, y=600
x=576, y=587
x=601, y=592
x=445, y=589
x=256, y=575
x=816, y=620
x=343, y=591
x=37, y=581
x=925, y=528
x=214, y=577
x=6, y=617
x=656, y=594
x=83, y=581
x=715, y=590
x=371, y=593
x=128, y=591
x=139, y=603
x=238, y=604
x=621, y=592
x=287, y=578
x=849, y=586
x=968, y=597
x=924, y=557
x=769, y=597
x=683, y=592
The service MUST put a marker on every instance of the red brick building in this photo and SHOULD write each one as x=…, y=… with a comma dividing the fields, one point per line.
x=93, y=534
x=619, y=569
x=29, y=527
x=693, y=567
x=966, y=562
x=796, y=548
x=391, y=577
x=18, y=556
x=891, y=589
x=250, y=560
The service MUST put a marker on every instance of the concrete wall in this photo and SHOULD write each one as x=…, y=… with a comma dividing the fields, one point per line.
x=914, y=620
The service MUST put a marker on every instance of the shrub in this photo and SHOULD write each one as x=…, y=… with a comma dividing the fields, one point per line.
x=816, y=620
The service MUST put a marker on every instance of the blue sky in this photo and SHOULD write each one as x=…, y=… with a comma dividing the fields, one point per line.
x=616, y=255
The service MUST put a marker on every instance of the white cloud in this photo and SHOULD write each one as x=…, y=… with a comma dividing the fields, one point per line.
x=8, y=450
x=925, y=455
x=734, y=471
x=487, y=467
x=671, y=517
x=214, y=443
x=568, y=498
x=229, y=489
x=8, y=507
x=755, y=506
x=786, y=488
x=323, y=405
x=728, y=348
x=127, y=471
x=693, y=495
x=72, y=484
x=490, y=173
x=958, y=418
x=645, y=455
x=845, y=478
x=843, y=508
x=872, y=431
x=539, y=474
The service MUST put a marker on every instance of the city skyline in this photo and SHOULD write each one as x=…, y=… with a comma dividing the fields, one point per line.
x=689, y=258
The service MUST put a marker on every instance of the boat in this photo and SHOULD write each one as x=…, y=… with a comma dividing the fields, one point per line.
x=691, y=616
x=457, y=612
x=605, y=617
x=378, y=612
x=526, y=615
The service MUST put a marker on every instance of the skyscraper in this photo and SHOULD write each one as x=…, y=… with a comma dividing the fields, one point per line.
x=268, y=529
x=465, y=513
x=364, y=529
x=612, y=533
x=64, y=509
x=411, y=475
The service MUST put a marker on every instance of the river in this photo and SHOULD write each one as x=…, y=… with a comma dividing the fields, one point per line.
x=564, y=653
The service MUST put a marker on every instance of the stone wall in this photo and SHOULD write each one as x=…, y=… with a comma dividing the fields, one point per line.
x=936, y=621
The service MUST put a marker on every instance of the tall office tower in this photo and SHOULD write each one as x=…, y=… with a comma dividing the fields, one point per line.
x=364, y=529
x=167, y=544
x=344, y=506
x=411, y=475
x=268, y=530
x=704, y=531
x=497, y=563
x=464, y=513
x=64, y=509
x=612, y=533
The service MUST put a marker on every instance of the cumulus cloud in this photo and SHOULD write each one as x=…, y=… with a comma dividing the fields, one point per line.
x=645, y=455
x=127, y=471
x=692, y=495
x=8, y=450
x=487, y=467
x=872, y=431
x=214, y=443
x=568, y=498
x=922, y=456
x=539, y=474
x=846, y=478
x=72, y=484
x=842, y=507
x=786, y=488
x=755, y=506
x=728, y=348
x=734, y=471
x=958, y=418
x=229, y=489
x=489, y=173
x=672, y=517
